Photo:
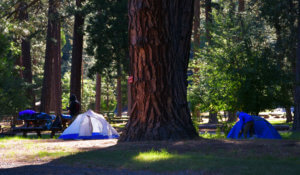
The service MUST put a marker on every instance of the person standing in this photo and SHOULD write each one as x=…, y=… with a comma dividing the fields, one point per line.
x=247, y=124
x=75, y=106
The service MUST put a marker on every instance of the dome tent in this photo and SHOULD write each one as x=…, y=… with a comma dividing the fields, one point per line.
x=262, y=129
x=89, y=125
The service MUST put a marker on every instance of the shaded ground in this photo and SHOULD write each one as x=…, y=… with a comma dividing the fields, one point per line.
x=93, y=157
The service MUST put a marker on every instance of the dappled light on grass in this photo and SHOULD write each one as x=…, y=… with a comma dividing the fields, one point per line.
x=207, y=135
x=57, y=154
x=290, y=135
x=153, y=156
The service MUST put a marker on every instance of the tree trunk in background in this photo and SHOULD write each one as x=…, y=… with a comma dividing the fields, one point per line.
x=197, y=23
x=98, y=93
x=25, y=55
x=107, y=96
x=129, y=98
x=208, y=18
x=57, y=71
x=296, y=124
x=119, y=95
x=160, y=36
x=231, y=116
x=213, y=117
x=288, y=112
x=241, y=5
x=75, y=86
x=52, y=47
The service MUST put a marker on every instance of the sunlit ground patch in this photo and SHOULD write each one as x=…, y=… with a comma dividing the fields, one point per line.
x=153, y=156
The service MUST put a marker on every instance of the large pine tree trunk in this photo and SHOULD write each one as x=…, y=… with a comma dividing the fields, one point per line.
x=52, y=47
x=296, y=124
x=160, y=35
x=98, y=93
x=75, y=86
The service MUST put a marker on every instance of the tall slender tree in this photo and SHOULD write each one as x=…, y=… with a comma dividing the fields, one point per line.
x=98, y=93
x=241, y=5
x=160, y=35
x=197, y=13
x=51, y=58
x=208, y=18
x=119, y=91
x=75, y=86
x=25, y=53
x=296, y=124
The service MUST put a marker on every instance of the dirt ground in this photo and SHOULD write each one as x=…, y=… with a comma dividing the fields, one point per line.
x=15, y=153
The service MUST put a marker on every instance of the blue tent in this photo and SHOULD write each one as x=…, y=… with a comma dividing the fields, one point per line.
x=262, y=129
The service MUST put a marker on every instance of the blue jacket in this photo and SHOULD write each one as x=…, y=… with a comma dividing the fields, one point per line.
x=244, y=118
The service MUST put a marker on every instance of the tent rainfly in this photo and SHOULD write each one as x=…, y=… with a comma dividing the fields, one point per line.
x=262, y=129
x=89, y=125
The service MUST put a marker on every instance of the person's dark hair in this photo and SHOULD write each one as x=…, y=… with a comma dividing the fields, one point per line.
x=73, y=97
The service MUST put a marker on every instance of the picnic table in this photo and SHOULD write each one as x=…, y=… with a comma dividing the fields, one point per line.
x=38, y=122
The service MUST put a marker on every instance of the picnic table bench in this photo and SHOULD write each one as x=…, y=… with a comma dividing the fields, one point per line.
x=39, y=122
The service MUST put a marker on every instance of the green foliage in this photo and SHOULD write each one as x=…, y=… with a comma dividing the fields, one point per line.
x=108, y=35
x=12, y=87
x=237, y=70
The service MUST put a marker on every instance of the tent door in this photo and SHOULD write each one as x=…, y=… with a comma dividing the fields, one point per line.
x=86, y=127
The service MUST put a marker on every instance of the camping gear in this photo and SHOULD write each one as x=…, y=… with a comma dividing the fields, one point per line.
x=262, y=129
x=89, y=125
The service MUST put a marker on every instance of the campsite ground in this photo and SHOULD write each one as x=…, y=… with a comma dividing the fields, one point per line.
x=213, y=155
x=202, y=156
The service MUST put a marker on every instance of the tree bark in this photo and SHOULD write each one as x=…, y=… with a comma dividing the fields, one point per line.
x=208, y=18
x=296, y=124
x=241, y=5
x=289, y=117
x=119, y=96
x=25, y=54
x=98, y=93
x=197, y=13
x=129, y=101
x=57, y=71
x=213, y=119
x=160, y=35
x=75, y=84
x=231, y=116
x=52, y=47
x=107, y=96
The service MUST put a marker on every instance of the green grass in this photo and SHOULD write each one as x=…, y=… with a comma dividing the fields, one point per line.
x=207, y=135
x=280, y=122
x=30, y=137
x=118, y=125
x=290, y=135
x=164, y=161
x=43, y=154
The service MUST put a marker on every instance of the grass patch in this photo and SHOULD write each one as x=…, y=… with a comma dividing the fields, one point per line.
x=30, y=137
x=165, y=161
x=290, y=135
x=280, y=122
x=217, y=135
x=118, y=125
x=46, y=154
x=153, y=156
